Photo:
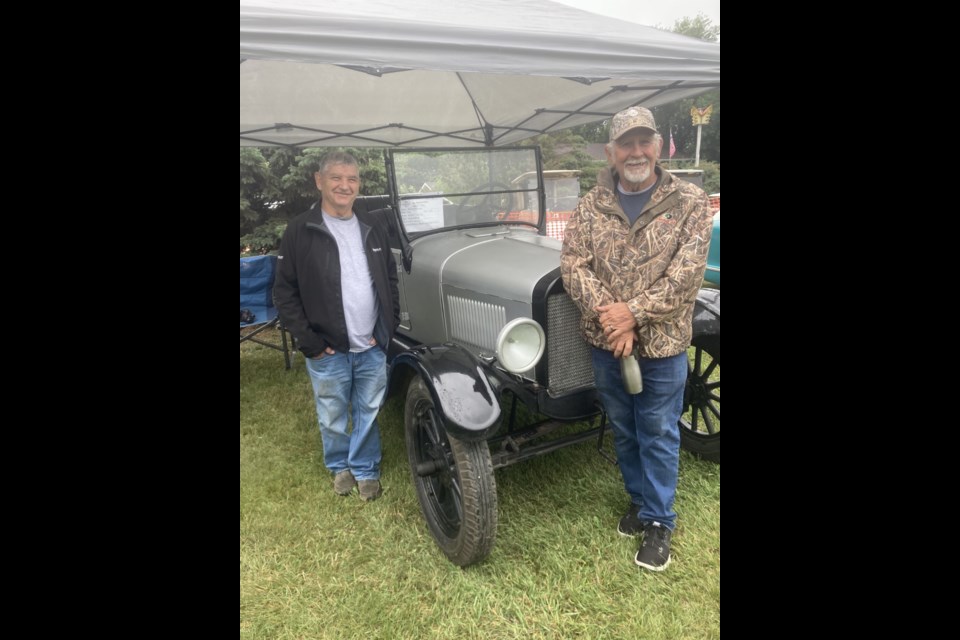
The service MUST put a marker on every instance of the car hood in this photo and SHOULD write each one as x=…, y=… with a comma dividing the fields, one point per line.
x=508, y=264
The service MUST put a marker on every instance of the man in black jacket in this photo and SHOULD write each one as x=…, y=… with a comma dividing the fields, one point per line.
x=336, y=291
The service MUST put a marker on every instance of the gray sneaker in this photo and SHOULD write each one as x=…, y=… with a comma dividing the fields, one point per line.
x=370, y=489
x=344, y=482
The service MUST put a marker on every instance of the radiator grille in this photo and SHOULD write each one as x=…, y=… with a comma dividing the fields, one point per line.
x=569, y=364
x=475, y=323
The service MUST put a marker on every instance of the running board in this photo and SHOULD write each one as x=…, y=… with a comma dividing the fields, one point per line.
x=505, y=458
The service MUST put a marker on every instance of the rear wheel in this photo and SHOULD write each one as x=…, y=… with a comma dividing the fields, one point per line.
x=453, y=479
x=700, y=421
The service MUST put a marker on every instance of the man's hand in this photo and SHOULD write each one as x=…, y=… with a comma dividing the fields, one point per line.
x=327, y=351
x=618, y=325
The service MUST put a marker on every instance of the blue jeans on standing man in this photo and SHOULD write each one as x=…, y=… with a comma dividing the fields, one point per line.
x=645, y=430
x=360, y=380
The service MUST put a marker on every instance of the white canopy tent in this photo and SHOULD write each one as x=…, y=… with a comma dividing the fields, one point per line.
x=445, y=73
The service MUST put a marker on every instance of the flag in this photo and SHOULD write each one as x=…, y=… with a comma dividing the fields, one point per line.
x=673, y=147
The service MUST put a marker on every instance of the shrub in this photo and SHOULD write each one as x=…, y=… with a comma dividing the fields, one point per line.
x=263, y=239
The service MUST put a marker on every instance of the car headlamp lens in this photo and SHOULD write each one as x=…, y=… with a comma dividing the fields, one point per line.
x=520, y=345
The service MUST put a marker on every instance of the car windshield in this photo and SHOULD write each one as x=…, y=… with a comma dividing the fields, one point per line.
x=444, y=189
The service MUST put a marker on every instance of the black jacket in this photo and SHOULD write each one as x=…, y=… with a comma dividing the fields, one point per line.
x=307, y=292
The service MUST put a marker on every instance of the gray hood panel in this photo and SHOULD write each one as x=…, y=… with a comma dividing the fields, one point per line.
x=503, y=267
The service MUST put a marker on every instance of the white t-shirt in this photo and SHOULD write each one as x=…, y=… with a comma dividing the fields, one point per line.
x=356, y=283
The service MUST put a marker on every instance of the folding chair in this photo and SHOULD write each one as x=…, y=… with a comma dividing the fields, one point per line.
x=256, y=296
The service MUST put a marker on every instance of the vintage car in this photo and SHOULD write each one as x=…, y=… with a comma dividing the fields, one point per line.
x=486, y=328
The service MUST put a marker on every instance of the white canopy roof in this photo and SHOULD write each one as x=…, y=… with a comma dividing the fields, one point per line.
x=438, y=73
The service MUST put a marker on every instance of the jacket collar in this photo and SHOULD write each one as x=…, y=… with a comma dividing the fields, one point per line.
x=663, y=197
x=315, y=215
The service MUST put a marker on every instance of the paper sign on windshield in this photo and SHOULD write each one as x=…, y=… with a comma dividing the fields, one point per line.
x=422, y=214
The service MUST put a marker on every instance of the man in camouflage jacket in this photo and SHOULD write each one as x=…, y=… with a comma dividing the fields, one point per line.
x=633, y=259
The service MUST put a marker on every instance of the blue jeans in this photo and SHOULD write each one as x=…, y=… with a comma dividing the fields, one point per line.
x=645, y=431
x=356, y=381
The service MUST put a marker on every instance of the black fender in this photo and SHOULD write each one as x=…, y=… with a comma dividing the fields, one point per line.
x=706, y=313
x=458, y=385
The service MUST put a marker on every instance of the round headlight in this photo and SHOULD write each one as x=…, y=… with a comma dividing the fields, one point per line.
x=520, y=345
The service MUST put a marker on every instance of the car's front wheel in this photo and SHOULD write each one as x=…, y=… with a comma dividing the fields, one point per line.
x=700, y=422
x=453, y=479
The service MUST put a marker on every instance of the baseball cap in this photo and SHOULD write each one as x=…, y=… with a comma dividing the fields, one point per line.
x=631, y=118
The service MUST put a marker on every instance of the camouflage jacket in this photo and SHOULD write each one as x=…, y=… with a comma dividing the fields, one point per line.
x=655, y=265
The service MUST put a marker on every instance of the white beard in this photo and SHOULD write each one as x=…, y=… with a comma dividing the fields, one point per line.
x=636, y=176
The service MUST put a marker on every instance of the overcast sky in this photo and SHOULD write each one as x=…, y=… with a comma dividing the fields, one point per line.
x=650, y=12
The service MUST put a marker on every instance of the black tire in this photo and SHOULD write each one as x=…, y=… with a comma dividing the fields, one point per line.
x=700, y=422
x=453, y=479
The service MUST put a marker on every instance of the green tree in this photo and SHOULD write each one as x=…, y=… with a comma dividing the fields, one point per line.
x=675, y=117
x=257, y=189
x=593, y=132
x=566, y=149
x=711, y=172
x=299, y=188
x=699, y=27
x=277, y=183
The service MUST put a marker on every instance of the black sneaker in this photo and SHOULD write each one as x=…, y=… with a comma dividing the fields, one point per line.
x=630, y=525
x=654, y=553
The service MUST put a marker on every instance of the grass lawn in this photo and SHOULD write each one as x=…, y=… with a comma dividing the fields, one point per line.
x=317, y=565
